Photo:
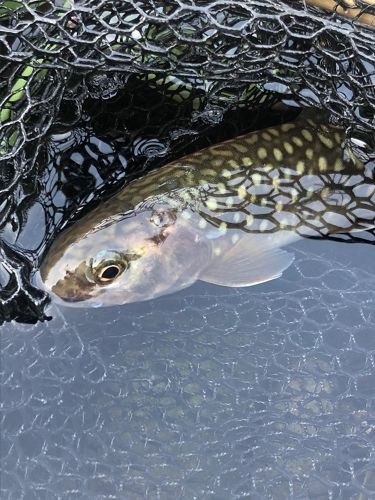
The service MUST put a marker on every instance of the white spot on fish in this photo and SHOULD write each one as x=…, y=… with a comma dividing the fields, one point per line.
x=326, y=140
x=190, y=178
x=274, y=132
x=288, y=148
x=240, y=147
x=226, y=173
x=297, y=141
x=221, y=188
x=300, y=167
x=266, y=136
x=338, y=165
x=217, y=251
x=249, y=220
x=322, y=162
x=256, y=179
x=294, y=194
x=252, y=139
x=185, y=214
x=202, y=223
x=223, y=227
x=185, y=195
x=229, y=202
x=217, y=162
x=309, y=153
x=235, y=238
x=225, y=152
x=247, y=162
x=237, y=217
x=287, y=126
x=208, y=171
x=262, y=153
x=211, y=204
x=307, y=134
x=241, y=192
x=337, y=137
x=277, y=153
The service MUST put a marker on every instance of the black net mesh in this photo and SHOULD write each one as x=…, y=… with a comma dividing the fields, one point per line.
x=212, y=393
x=148, y=79
x=265, y=392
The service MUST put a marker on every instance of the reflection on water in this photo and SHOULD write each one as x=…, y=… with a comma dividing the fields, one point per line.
x=208, y=393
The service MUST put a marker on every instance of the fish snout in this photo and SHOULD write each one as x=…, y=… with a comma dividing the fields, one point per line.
x=73, y=287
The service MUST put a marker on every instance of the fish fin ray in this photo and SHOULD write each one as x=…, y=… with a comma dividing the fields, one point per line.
x=243, y=265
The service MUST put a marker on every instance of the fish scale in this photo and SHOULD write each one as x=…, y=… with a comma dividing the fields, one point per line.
x=220, y=215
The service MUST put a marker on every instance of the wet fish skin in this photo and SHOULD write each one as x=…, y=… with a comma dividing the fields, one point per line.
x=220, y=215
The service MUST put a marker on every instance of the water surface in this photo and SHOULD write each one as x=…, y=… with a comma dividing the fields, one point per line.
x=213, y=392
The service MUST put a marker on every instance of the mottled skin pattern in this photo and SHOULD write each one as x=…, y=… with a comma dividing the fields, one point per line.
x=167, y=227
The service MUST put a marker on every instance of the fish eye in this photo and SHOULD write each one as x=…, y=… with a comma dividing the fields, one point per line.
x=106, y=266
x=109, y=273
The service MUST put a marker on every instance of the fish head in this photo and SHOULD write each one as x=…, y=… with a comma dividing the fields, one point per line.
x=123, y=259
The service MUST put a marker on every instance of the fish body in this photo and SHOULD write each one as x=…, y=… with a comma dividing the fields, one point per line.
x=221, y=215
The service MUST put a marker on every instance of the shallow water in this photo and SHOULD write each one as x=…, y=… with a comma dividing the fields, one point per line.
x=262, y=392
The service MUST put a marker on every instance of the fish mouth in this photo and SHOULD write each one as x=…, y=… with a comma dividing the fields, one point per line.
x=55, y=292
x=71, y=289
x=70, y=298
x=96, y=301
x=66, y=294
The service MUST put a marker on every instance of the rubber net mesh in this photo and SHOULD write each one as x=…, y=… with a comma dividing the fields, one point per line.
x=211, y=393
x=265, y=392
x=177, y=68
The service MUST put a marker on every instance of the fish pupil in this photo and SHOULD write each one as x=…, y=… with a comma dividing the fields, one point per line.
x=110, y=272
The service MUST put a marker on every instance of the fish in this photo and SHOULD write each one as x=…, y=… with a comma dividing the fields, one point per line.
x=222, y=215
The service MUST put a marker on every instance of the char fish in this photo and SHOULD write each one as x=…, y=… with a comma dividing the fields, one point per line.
x=221, y=215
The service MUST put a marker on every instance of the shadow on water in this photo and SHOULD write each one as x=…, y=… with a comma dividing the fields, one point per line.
x=209, y=393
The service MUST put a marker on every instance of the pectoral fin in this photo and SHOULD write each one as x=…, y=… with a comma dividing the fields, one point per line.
x=246, y=264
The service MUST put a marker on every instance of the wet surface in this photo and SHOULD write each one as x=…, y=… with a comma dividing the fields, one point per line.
x=265, y=392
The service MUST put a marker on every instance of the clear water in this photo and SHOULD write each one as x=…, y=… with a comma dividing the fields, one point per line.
x=262, y=392
x=211, y=393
